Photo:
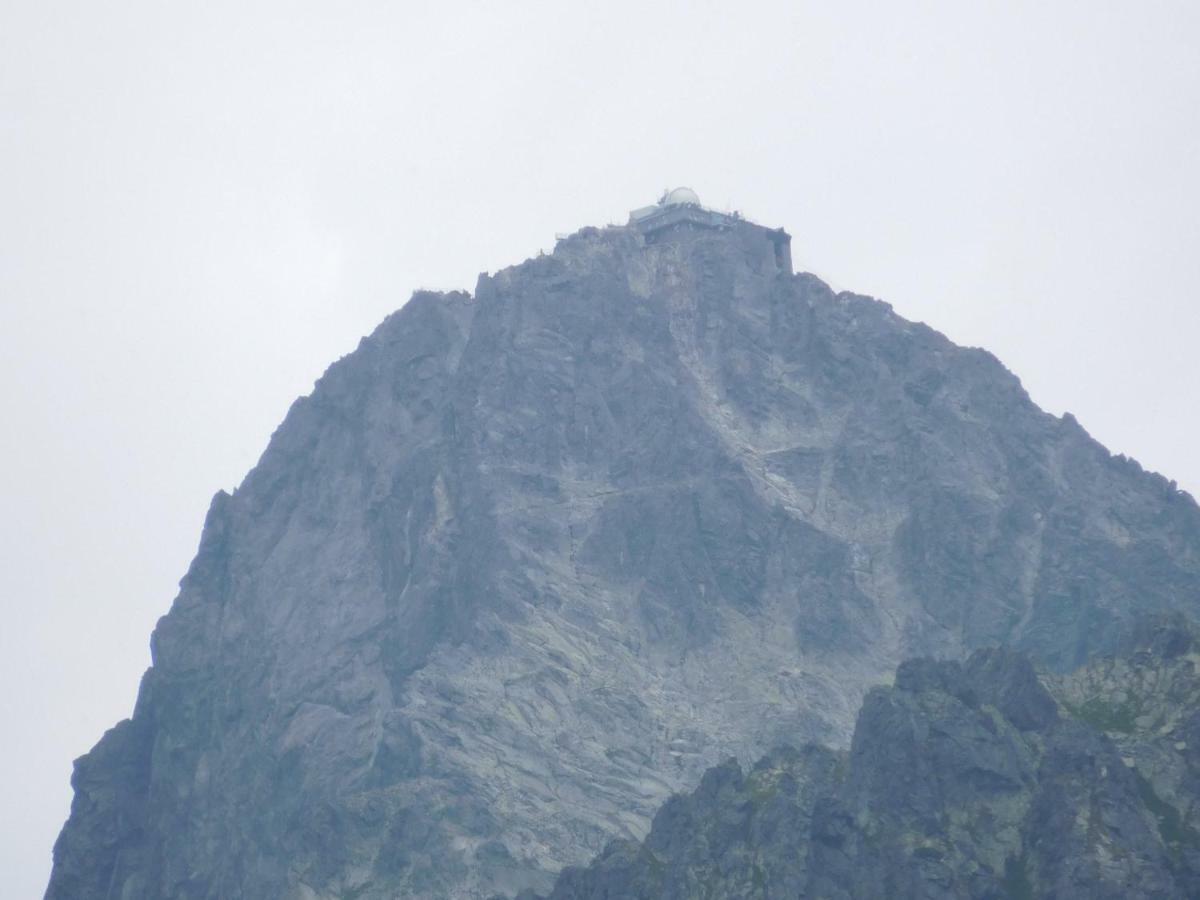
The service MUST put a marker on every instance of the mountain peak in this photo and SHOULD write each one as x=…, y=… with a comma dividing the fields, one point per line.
x=526, y=563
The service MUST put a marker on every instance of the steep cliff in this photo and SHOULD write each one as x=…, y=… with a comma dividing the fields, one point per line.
x=962, y=781
x=527, y=562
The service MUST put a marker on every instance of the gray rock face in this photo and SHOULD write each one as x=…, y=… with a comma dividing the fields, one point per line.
x=528, y=562
x=963, y=781
x=1146, y=700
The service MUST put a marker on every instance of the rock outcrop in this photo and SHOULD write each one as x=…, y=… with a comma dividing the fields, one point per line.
x=962, y=781
x=530, y=561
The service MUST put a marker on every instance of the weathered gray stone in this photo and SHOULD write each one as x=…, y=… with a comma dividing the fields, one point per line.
x=945, y=793
x=528, y=562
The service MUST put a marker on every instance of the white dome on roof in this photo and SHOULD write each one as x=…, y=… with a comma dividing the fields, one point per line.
x=679, y=196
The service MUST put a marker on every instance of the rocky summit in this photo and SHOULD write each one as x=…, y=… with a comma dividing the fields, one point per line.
x=529, y=561
x=970, y=780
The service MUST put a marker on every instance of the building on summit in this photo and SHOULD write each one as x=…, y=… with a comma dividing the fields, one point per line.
x=680, y=209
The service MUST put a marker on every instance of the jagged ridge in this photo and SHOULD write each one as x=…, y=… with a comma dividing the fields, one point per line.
x=963, y=780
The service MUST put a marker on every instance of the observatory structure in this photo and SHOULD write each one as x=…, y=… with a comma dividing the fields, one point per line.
x=679, y=211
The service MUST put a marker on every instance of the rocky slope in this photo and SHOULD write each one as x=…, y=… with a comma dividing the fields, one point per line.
x=963, y=780
x=529, y=561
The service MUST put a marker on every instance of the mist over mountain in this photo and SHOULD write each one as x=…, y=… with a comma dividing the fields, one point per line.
x=530, y=561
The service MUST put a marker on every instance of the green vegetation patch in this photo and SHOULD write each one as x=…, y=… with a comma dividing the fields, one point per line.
x=1120, y=717
x=763, y=786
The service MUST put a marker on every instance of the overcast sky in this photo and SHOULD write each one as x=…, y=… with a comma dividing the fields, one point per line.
x=202, y=205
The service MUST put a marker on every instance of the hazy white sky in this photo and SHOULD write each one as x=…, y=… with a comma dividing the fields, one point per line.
x=202, y=205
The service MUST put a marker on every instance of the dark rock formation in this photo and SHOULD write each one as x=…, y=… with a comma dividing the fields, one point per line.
x=1146, y=699
x=528, y=562
x=963, y=781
